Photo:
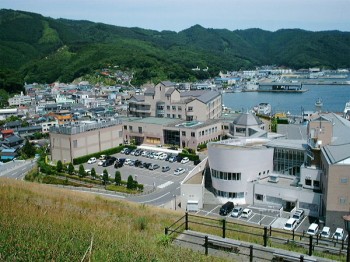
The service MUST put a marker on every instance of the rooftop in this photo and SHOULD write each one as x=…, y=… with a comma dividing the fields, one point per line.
x=241, y=143
x=156, y=120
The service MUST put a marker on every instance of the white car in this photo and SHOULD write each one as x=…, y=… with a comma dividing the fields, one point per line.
x=100, y=163
x=102, y=157
x=326, y=232
x=313, y=229
x=185, y=160
x=163, y=156
x=127, y=161
x=338, y=234
x=92, y=160
x=246, y=213
x=88, y=171
x=179, y=171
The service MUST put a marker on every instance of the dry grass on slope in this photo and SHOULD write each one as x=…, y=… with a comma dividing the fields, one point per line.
x=43, y=223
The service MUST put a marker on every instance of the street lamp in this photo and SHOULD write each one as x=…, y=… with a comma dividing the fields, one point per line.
x=175, y=200
x=347, y=228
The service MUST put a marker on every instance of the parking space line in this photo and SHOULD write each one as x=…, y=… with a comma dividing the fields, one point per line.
x=212, y=210
x=274, y=219
x=300, y=223
x=154, y=198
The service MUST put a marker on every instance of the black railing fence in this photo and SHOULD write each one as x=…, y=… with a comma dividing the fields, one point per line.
x=266, y=239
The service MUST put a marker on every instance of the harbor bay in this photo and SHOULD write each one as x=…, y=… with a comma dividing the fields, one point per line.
x=334, y=98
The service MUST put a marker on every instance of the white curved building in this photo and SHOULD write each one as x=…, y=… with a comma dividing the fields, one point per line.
x=236, y=162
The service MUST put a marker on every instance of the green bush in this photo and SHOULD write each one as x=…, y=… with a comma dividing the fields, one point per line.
x=191, y=157
x=111, y=151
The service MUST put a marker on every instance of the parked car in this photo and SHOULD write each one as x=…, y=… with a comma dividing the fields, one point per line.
x=123, y=150
x=246, y=213
x=127, y=161
x=178, y=158
x=338, y=234
x=127, y=151
x=118, y=164
x=226, y=208
x=138, y=163
x=88, y=172
x=313, y=229
x=153, y=166
x=100, y=163
x=237, y=211
x=326, y=232
x=165, y=168
x=291, y=224
x=179, y=171
x=146, y=165
x=168, y=157
x=157, y=155
x=108, y=162
x=102, y=157
x=133, y=152
x=298, y=215
x=185, y=160
x=144, y=153
x=163, y=156
x=138, y=152
x=172, y=159
x=111, y=157
x=92, y=160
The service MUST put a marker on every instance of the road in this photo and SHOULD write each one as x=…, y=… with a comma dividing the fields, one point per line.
x=16, y=169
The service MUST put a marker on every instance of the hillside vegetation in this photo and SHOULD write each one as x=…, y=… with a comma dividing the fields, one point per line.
x=44, y=223
x=34, y=48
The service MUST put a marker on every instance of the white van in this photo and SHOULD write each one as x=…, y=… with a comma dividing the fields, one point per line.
x=313, y=229
x=157, y=155
x=290, y=224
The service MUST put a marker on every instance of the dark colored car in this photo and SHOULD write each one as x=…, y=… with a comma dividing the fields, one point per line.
x=138, y=163
x=108, y=162
x=119, y=162
x=178, y=158
x=226, y=208
x=127, y=151
x=169, y=156
x=146, y=165
x=138, y=152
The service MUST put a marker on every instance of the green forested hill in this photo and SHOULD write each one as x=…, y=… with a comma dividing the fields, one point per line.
x=34, y=48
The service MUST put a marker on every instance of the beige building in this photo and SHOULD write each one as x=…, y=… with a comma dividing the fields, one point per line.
x=165, y=101
x=69, y=142
x=168, y=131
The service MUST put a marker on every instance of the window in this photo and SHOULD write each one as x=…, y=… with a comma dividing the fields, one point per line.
x=174, y=116
x=307, y=182
x=183, y=133
x=178, y=116
x=140, y=129
x=179, y=108
x=168, y=115
x=130, y=128
x=168, y=107
x=190, y=108
x=344, y=180
x=316, y=183
x=342, y=200
x=259, y=197
x=173, y=107
x=193, y=134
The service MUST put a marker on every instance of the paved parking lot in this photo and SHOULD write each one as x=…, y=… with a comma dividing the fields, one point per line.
x=263, y=217
x=149, y=178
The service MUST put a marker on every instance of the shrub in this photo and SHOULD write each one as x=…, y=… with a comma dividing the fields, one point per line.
x=141, y=223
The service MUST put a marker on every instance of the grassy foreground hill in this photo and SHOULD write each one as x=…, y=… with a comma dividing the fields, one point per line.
x=44, y=223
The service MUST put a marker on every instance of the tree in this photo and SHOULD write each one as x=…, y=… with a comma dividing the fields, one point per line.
x=59, y=166
x=130, y=182
x=105, y=177
x=93, y=173
x=70, y=169
x=117, y=178
x=82, y=171
x=28, y=150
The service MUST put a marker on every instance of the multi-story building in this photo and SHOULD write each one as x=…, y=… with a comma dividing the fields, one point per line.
x=72, y=141
x=18, y=100
x=165, y=101
x=177, y=132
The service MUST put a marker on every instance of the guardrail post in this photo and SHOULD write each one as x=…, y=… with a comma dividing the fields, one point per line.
x=206, y=245
x=166, y=231
x=270, y=231
x=223, y=228
x=342, y=244
x=317, y=236
x=265, y=236
x=310, y=246
x=186, y=220
x=293, y=234
x=251, y=253
x=301, y=258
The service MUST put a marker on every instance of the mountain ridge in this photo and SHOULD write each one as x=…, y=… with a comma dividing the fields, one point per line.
x=35, y=48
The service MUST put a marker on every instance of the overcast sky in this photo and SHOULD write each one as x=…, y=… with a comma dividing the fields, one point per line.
x=176, y=15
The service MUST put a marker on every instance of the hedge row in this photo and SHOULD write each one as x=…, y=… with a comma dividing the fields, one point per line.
x=111, y=151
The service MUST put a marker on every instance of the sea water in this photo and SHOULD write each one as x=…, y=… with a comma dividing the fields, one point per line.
x=333, y=97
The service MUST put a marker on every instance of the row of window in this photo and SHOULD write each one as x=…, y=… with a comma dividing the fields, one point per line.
x=308, y=182
x=229, y=194
x=208, y=131
x=225, y=175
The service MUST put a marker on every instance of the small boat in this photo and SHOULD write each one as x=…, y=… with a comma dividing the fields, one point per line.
x=346, y=112
x=263, y=109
